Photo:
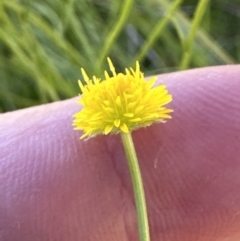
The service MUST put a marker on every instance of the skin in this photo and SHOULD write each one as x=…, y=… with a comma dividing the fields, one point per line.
x=54, y=186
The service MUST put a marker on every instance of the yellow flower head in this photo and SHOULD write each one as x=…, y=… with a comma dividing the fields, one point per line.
x=120, y=103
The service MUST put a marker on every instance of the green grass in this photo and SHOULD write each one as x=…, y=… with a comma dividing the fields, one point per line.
x=43, y=44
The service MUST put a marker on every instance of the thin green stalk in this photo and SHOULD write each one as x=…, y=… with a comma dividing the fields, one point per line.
x=188, y=43
x=114, y=32
x=138, y=189
x=158, y=30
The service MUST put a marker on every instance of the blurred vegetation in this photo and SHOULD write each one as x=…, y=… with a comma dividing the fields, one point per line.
x=43, y=43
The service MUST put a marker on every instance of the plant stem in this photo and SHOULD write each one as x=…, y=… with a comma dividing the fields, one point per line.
x=158, y=30
x=114, y=32
x=138, y=189
x=188, y=43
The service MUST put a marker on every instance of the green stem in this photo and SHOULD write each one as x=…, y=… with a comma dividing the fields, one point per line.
x=158, y=30
x=138, y=189
x=188, y=43
x=114, y=32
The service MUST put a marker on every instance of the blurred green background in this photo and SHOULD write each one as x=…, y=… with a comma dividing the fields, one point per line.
x=43, y=43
